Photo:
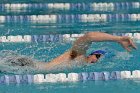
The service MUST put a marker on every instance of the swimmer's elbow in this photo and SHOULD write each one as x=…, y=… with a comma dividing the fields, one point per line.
x=91, y=34
x=94, y=36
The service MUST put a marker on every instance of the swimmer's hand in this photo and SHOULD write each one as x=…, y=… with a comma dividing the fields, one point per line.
x=127, y=43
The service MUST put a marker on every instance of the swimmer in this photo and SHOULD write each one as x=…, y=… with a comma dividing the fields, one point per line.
x=76, y=56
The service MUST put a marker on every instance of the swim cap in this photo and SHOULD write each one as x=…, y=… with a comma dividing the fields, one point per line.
x=98, y=52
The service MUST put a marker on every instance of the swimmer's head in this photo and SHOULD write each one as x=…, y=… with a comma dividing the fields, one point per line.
x=95, y=55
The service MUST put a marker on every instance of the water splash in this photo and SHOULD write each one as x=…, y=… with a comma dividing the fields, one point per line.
x=11, y=62
x=123, y=56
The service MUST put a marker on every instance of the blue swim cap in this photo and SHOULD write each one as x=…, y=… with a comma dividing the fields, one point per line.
x=98, y=52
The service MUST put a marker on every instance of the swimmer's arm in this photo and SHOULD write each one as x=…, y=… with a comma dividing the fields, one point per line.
x=99, y=37
x=82, y=43
x=125, y=41
x=94, y=37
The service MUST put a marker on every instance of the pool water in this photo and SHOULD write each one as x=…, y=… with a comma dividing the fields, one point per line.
x=20, y=22
x=85, y=87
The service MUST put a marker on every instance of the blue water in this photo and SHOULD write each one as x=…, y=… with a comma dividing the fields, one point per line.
x=125, y=86
x=116, y=59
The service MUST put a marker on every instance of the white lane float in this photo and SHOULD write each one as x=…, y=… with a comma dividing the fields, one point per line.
x=18, y=38
x=2, y=19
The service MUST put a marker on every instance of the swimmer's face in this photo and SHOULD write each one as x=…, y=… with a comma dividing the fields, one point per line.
x=93, y=58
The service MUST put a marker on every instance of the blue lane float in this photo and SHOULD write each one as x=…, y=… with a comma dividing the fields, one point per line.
x=100, y=6
x=70, y=77
x=70, y=18
x=16, y=79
